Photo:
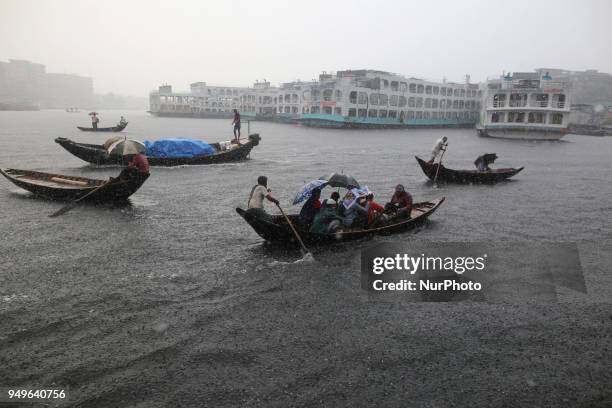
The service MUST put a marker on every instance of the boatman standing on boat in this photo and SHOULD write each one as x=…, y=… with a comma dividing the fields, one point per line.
x=256, y=199
x=437, y=148
x=236, y=123
x=94, y=121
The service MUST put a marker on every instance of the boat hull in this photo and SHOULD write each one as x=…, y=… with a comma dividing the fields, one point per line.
x=277, y=231
x=522, y=134
x=446, y=175
x=117, y=128
x=96, y=154
x=41, y=184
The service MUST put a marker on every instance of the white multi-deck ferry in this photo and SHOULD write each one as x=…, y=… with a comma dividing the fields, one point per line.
x=525, y=105
x=346, y=99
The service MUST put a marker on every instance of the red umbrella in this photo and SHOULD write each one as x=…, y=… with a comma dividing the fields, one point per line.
x=93, y=113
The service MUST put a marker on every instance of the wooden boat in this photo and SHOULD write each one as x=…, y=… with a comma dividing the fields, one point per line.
x=97, y=154
x=117, y=128
x=275, y=228
x=446, y=175
x=63, y=187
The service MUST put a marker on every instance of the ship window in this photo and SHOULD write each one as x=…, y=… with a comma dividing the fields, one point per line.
x=374, y=99
x=294, y=98
x=499, y=100
x=352, y=112
x=419, y=115
x=363, y=97
x=385, y=83
x=287, y=109
x=382, y=113
x=280, y=99
x=419, y=102
x=393, y=100
x=353, y=97
x=394, y=85
x=393, y=114
x=337, y=111
x=294, y=109
x=428, y=89
x=442, y=103
x=434, y=103
x=535, y=117
x=461, y=104
x=372, y=113
x=403, y=87
x=411, y=102
x=556, y=119
x=540, y=100
x=443, y=91
x=428, y=103
x=402, y=101
x=462, y=93
x=511, y=117
x=412, y=88
x=455, y=104
x=327, y=110
x=425, y=115
x=497, y=117
x=362, y=113
x=338, y=94
x=410, y=115
x=560, y=101
x=420, y=89
x=436, y=90
x=520, y=117
x=315, y=109
x=327, y=95
x=383, y=99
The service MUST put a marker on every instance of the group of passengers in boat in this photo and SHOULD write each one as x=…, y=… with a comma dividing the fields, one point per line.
x=332, y=215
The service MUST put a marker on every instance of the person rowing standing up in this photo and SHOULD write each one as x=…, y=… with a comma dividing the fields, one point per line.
x=256, y=199
x=236, y=123
x=440, y=146
x=94, y=121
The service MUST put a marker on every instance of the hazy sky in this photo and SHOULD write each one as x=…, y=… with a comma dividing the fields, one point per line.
x=132, y=46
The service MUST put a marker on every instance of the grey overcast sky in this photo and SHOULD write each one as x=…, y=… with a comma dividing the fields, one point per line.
x=132, y=46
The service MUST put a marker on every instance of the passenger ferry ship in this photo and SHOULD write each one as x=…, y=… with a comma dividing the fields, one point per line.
x=525, y=105
x=346, y=99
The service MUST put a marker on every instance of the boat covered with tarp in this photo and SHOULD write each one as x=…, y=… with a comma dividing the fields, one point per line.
x=167, y=152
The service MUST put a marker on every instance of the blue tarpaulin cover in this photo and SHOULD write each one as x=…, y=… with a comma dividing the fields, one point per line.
x=178, y=147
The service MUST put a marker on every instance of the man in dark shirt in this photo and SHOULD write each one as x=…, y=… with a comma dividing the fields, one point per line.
x=236, y=123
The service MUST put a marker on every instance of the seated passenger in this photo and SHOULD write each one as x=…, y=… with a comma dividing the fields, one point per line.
x=376, y=211
x=482, y=166
x=326, y=221
x=401, y=202
x=310, y=208
x=357, y=214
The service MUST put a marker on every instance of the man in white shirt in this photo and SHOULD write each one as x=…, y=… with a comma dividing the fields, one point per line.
x=256, y=199
x=437, y=148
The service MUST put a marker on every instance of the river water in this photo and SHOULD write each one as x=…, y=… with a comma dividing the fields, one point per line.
x=175, y=301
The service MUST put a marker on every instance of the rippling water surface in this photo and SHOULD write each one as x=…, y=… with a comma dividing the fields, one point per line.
x=127, y=288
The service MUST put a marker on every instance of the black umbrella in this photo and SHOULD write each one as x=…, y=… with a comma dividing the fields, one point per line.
x=341, y=180
x=486, y=158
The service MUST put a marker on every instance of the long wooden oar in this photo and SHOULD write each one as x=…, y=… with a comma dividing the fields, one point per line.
x=439, y=164
x=73, y=204
x=304, y=249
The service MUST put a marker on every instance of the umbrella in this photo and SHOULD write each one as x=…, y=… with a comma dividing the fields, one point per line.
x=353, y=195
x=306, y=190
x=92, y=113
x=486, y=158
x=126, y=147
x=340, y=180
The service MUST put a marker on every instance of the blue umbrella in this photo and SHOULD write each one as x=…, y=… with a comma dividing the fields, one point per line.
x=306, y=191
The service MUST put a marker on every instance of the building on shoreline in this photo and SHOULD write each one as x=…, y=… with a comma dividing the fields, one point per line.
x=346, y=99
x=24, y=84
